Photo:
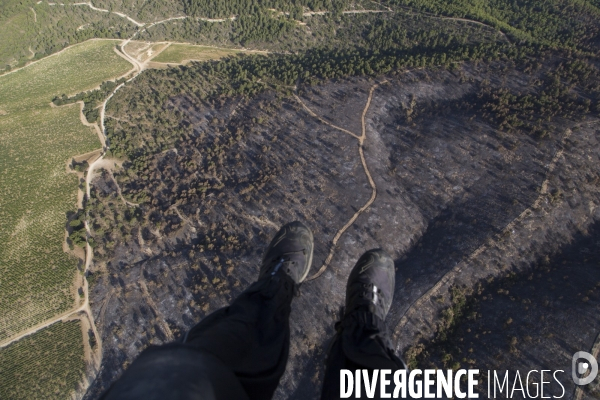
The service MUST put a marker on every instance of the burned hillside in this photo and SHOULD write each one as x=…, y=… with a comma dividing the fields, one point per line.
x=477, y=170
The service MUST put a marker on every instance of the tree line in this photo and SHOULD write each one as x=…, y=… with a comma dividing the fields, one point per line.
x=225, y=9
x=91, y=99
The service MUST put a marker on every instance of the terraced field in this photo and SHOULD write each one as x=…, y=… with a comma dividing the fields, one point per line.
x=56, y=356
x=36, y=191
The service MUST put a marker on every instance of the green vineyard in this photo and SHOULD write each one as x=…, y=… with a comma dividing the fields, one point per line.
x=36, y=191
x=46, y=365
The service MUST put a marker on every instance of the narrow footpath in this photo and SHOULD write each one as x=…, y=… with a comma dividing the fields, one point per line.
x=361, y=140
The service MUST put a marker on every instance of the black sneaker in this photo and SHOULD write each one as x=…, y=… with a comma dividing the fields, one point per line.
x=371, y=283
x=291, y=250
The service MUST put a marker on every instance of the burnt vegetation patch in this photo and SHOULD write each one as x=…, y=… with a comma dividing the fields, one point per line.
x=519, y=321
x=210, y=177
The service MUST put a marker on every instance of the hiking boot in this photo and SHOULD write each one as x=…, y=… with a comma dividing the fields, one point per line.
x=371, y=283
x=291, y=250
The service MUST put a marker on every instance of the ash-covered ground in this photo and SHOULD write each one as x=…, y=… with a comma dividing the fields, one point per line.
x=459, y=203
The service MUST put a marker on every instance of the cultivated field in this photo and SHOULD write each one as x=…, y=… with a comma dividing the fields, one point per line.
x=180, y=53
x=36, y=191
x=47, y=365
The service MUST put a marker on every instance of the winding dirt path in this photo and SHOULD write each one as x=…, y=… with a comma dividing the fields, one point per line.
x=312, y=114
x=148, y=25
x=85, y=307
x=84, y=311
x=108, y=166
x=361, y=139
x=127, y=17
x=34, y=15
x=470, y=21
x=413, y=12
x=365, y=11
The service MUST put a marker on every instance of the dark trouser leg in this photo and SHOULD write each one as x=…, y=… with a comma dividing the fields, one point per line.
x=362, y=342
x=237, y=352
x=251, y=336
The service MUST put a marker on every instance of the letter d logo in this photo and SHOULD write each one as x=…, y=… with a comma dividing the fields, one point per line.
x=581, y=368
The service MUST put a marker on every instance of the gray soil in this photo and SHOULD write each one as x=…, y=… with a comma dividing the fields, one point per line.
x=539, y=317
x=448, y=185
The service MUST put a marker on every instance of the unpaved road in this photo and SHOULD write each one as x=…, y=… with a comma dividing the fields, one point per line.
x=62, y=317
x=470, y=21
x=361, y=141
x=139, y=67
x=127, y=17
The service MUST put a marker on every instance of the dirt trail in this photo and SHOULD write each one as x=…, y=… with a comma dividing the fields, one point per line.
x=361, y=140
x=139, y=65
x=184, y=219
x=89, y=353
x=312, y=114
x=62, y=317
x=154, y=55
x=311, y=13
x=98, y=163
x=471, y=21
x=148, y=25
x=108, y=165
x=382, y=5
x=365, y=11
x=96, y=356
x=85, y=122
x=127, y=17
x=232, y=18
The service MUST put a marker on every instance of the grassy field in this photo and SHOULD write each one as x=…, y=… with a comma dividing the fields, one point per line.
x=178, y=53
x=36, y=192
x=46, y=365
